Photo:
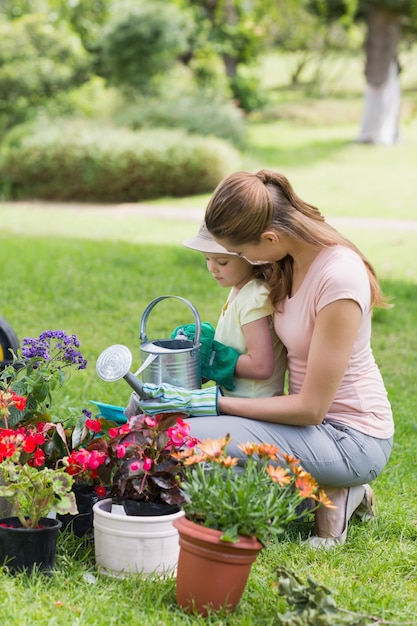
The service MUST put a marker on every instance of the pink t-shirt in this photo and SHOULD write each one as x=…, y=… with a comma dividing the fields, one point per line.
x=361, y=400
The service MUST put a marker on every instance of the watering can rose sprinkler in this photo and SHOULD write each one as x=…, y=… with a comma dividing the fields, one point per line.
x=114, y=364
x=176, y=361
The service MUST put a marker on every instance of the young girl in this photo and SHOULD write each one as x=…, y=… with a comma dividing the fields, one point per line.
x=245, y=322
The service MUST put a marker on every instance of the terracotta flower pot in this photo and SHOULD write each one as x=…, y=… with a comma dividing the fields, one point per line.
x=212, y=574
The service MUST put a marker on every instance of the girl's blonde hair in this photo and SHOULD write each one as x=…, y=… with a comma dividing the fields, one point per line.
x=245, y=205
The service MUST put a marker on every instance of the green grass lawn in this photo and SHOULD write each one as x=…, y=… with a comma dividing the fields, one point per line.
x=99, y=290
x=93, y=273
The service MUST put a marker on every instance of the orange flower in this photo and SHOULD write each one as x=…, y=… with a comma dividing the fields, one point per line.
x=249, y=448
x=212, y=448
x=306, y=485
x=278, y=475
x=227, y=461
x=323, y=499
x=291, y=460
x=264, y=450
x=267, y=450
x=193, y=459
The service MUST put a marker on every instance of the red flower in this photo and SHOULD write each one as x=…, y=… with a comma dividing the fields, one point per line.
x=29, y=444
x=19, y=401
x=93, y=424
x=100, y=491
x=38, y=458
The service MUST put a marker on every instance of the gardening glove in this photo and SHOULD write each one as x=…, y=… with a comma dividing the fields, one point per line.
x=188, y=330
x=218, y=362
x=133, y=407
x=166, y=398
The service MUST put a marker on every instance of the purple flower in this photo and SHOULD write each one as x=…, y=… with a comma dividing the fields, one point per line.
x=56, y=347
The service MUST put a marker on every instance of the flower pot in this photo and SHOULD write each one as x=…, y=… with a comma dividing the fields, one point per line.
x=131, y=544
x=212, y=574
x=27, y=549
x=82, y=523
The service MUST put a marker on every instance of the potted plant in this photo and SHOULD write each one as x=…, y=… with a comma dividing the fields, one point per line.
x=28, y=538
x=83, y=463
x=144, y=477
x=233, y=509
x=42, y=365
x=37, y=372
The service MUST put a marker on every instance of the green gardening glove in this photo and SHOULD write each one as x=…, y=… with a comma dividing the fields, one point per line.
x=218, y=362
x=188, y=330
x=166, y=398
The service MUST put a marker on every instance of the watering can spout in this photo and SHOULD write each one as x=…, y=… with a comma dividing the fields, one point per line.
x=114, y=363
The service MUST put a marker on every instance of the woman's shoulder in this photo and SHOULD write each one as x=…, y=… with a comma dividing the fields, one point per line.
x=337, y=256
x=338, y=251
x=341, y=273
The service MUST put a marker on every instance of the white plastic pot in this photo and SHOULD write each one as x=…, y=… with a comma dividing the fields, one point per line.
x=129, y=544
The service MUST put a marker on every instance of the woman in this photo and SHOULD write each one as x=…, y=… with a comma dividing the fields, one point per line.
x=336, y=417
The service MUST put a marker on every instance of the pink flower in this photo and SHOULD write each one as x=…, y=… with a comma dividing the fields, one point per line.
x=147, y=464
x=178, y=434
x=120, y=451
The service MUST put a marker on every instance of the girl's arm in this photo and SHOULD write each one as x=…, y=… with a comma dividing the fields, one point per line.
x=259, y=362
x=333, y=337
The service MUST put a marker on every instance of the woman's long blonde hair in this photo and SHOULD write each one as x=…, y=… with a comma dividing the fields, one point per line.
x=245, y=205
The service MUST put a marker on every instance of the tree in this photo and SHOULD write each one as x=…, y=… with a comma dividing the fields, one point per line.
x=38, y=60
x=238, y=31
x=382, y=98
x=143, y=42
x=386, y=22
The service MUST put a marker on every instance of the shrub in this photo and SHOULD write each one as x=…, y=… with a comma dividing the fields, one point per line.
x=194, y=112
x=75, y=161
x=144, y=41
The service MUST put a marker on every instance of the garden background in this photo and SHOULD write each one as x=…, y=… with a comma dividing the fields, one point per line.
x=92, y=268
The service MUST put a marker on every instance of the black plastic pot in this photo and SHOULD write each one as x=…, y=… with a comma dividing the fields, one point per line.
x=82, y=523
x=133, y=507
x=28, y=549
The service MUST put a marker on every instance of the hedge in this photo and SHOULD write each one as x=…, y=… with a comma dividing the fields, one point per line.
x=73, y=161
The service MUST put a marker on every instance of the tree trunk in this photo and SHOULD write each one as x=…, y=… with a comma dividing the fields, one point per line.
x=382, y=97
x=230, y=61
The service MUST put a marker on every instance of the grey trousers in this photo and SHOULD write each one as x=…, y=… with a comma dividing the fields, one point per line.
x=336, y=455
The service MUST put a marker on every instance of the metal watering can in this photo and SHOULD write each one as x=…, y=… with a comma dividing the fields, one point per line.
x=174, y=361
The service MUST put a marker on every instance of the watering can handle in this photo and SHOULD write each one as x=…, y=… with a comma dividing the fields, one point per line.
x=142, y=328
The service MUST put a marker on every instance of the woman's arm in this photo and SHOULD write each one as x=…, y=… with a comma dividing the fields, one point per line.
x=259, y=362
x=333, y=337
